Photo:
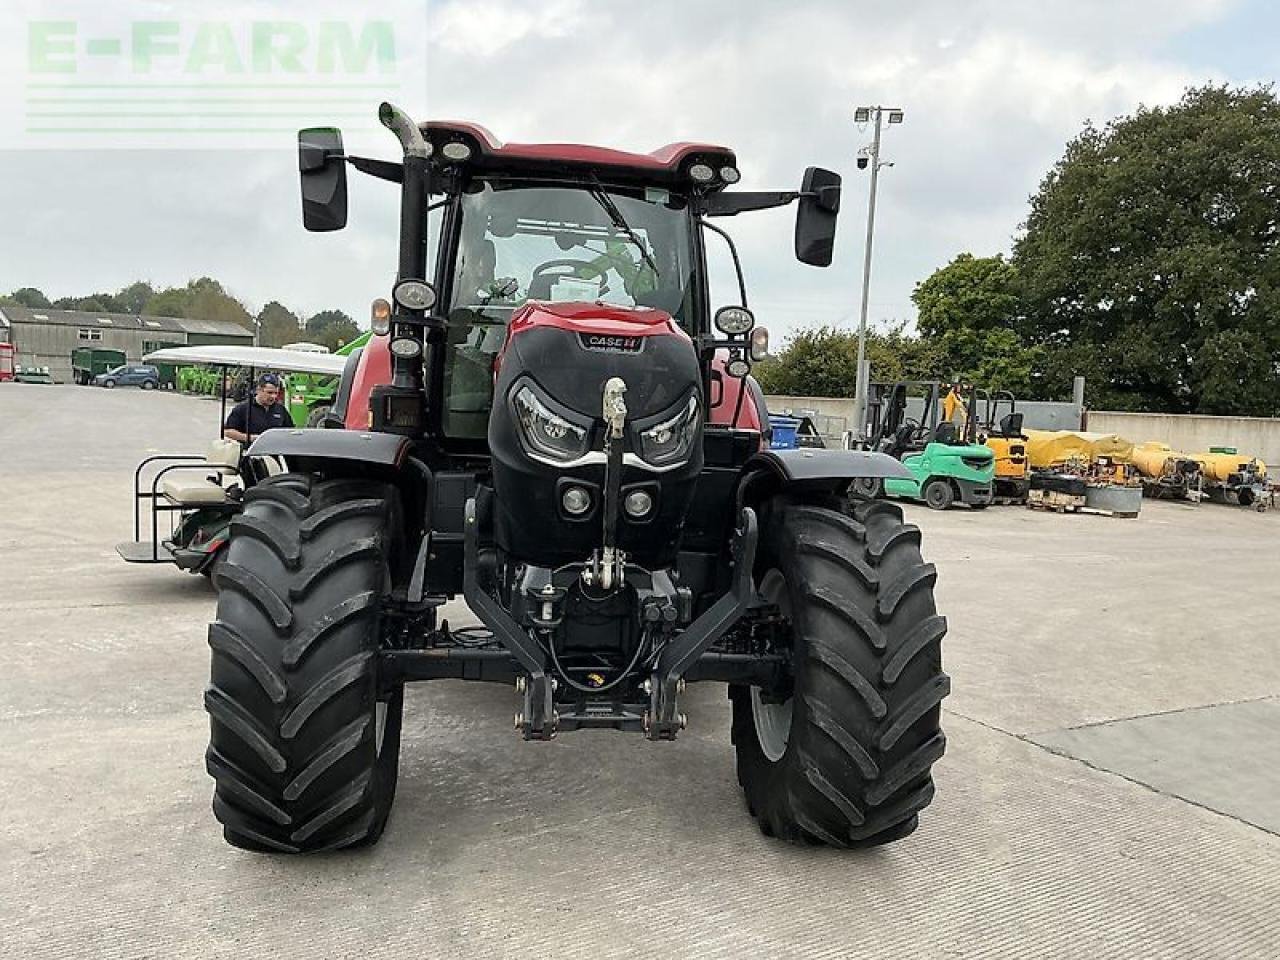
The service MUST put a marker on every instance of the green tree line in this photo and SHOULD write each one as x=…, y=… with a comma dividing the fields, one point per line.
x=203, y=299
x=1149, y=263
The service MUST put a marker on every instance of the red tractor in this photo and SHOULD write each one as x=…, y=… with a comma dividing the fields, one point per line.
x=553, y=424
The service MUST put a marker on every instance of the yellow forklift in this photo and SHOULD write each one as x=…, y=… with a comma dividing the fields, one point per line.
x=1004, y=436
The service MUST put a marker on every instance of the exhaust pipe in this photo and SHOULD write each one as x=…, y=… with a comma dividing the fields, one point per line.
x=401, y=124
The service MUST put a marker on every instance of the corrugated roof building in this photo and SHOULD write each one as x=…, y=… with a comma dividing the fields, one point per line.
x=47, y=337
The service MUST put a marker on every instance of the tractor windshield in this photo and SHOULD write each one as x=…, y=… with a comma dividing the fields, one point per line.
x=520, y=242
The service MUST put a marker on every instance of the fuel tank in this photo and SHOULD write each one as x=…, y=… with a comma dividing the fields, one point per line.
x=546, y=431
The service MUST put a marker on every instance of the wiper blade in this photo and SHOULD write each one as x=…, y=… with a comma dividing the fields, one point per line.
x=606, y=202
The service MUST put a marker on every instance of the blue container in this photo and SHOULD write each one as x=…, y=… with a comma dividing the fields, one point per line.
x=784, y=432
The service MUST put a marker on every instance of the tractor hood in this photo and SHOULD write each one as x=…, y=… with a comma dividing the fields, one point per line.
x=572, y=349
x=547, y=429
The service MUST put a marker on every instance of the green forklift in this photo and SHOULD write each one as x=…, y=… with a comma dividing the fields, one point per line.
x=916, y=422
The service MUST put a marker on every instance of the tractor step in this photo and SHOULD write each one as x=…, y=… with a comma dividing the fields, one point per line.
x=144, y=551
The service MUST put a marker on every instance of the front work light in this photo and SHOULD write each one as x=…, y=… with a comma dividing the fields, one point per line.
x=380, y=317
x=670, y=440
x=637, y=503
x=414, y=294
x=457, y=151
x=576, y=501
x=738, y=367
x=701, y=173
x=406, y=347
x=545, y=433
x=734, y=320
x=730, y=174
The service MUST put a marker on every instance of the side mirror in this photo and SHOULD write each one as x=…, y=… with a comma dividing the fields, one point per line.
x=323, y=169
x=816, y=218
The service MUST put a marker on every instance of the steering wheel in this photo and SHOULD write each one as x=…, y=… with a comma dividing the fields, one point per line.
x=554, y=270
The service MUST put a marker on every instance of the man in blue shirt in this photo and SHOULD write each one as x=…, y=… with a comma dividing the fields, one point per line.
x=260, y=413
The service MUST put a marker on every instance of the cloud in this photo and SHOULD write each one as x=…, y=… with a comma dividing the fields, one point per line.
x=992, y=90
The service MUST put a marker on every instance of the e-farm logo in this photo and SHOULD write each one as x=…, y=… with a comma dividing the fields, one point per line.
x=107, y=80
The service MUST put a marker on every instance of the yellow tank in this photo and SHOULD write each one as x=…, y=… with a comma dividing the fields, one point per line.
x=1152, y=458
x=1218, y=467
x=1046, y=448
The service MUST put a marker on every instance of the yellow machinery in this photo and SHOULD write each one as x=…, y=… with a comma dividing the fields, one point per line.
x=1049, y=448
x=1003, y=436
x=1221, y=473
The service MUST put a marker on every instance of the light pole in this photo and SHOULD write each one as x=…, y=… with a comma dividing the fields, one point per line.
x=868, y=156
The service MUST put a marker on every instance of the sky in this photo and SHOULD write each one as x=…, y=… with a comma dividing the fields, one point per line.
x=992, y=91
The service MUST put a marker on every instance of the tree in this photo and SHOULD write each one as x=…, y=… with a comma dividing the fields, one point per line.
x=201, y=299
x=94, y=303
x=278, y=325
x=969, y=293
x=134, y=297
x=823, y=362
x=1150, y=261
x=969, y=311
x=333, y=328
x=325, y=317
x=31, y=298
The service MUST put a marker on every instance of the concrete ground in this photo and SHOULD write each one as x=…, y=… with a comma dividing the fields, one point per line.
x=1110, y=788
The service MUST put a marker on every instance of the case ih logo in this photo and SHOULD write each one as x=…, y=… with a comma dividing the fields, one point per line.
x=607, y=344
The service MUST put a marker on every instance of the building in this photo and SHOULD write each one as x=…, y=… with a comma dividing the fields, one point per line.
x=45, y=338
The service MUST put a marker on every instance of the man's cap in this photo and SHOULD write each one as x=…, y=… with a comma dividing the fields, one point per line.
x=268, y=380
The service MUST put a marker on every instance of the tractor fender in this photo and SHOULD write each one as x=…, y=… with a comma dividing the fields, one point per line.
x=349, y=446
x=806, y=470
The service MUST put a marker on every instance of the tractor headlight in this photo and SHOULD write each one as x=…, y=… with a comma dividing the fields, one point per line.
x=671, y=438
x=546, y=432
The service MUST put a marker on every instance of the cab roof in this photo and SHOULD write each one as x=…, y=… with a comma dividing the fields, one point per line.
x=667, y=165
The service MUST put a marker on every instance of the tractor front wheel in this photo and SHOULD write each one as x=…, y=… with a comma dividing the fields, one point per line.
x=304, y=741
x=842, y=754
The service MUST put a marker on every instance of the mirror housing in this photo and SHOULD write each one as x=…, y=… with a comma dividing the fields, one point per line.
x=816, y=218
x=322, y=167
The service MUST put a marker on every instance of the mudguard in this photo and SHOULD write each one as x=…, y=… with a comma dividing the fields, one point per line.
x=381, y=449
x=817, y=470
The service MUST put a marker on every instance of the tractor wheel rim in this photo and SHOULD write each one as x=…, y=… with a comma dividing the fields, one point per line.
x=773, y=720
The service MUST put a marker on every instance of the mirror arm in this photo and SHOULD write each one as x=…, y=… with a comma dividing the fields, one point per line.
x=382, y=169
x=731, y=204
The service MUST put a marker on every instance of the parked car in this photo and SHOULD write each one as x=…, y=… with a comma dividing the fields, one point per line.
x=129, y=375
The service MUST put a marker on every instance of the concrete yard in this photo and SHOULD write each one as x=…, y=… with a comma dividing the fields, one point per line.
x=1111, y=786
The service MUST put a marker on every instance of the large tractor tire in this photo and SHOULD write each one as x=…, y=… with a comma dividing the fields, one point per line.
x=316, y=417
x=845, y=759
x=304, y=746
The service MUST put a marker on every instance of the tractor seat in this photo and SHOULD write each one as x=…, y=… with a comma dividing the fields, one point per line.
x=193, y=489
x=188, y=487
